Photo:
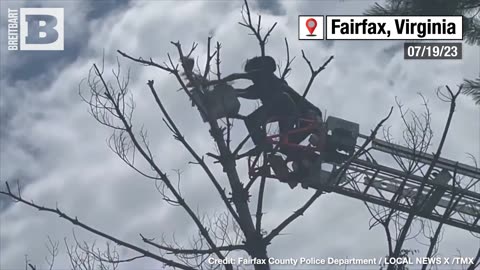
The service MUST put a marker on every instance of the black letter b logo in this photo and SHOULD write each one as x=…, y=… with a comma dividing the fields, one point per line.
x=47, y=29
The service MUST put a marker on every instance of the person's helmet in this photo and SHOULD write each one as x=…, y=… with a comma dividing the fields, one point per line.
x=261, y=63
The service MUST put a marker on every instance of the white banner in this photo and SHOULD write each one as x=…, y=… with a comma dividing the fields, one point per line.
x=394, y=27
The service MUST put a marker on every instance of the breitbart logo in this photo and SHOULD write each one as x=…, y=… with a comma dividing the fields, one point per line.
x=35, y=29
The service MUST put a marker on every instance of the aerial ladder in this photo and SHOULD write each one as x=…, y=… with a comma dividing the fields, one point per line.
x=333, y=143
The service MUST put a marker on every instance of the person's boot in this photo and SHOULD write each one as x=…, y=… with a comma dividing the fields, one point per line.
x=279, y=167
x=292, y=185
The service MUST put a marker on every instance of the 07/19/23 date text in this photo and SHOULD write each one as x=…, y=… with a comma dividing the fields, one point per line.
x=432, y=50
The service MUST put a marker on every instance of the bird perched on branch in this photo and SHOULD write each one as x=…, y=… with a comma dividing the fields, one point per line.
x=193, y=78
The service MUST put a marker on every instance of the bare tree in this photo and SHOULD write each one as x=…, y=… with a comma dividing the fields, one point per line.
x=416, y=136
x=401, y=226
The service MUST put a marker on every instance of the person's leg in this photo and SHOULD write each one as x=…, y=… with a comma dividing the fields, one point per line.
x=238, y=116
x=254, y=122
x=287, y=112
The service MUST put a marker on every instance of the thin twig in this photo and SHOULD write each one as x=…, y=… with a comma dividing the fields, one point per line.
x=287, y=69
x=218, y=61
x=209, y=59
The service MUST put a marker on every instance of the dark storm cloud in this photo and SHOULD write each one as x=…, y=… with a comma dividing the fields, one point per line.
x=101, y=8
x=273, y=7
x=43, y=61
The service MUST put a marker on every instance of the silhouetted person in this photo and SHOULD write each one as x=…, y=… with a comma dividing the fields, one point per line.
x=277, y=104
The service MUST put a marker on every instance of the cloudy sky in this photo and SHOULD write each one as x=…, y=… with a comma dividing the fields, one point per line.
x=59, y=153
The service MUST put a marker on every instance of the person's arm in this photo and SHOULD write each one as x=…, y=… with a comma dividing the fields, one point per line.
x=250, y=92
x=230, y=78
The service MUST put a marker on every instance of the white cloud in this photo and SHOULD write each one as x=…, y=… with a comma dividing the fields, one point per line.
x=71, y=164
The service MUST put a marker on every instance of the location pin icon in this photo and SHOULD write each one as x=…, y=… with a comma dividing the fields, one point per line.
x=311, y=25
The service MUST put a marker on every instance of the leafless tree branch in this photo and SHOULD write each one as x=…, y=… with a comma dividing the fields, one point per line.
x=314, y=72
x=450, y=97
x=82, y=225
x=287, y=69
x=171, y=250
x=256, y=31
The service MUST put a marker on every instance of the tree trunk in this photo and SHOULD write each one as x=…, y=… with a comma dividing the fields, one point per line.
x=256, y=247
